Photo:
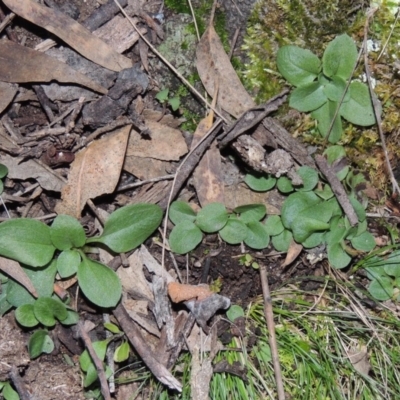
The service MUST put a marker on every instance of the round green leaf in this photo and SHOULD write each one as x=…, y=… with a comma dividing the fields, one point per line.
x=251, y=212
x=314, y=240
x=334, y=153
x=381, y=288
x=184, y=237
x=337, y=231
x=234, y=312
x=129, y=227
x=392, y=264
x=72, y=318
x=298, y=66
x=181, y=211
x=303, y=227
x=324, y=115
x=260, y=183
x=47, y=310
x=1, y=187
x=27, y=241
x=363, y=242
x=257, y=237
x=325, y=194
x=212, y=217
x=99, y=283
x=284, y=185
x=234, y=232
x=25, y=316
x=282, y=241
x=308, y=97
x=295, y=204
x=340, y=57
x=309, y=176
x=67, y=263
x=3, y=171
x=337, y=257
x=273, y=225
x=335, y=88
x=66, y=232
x=40, y=342
x=358, y=110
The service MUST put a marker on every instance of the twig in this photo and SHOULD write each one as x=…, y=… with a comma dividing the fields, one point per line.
x=19, y=384
x=136, y=339
x=375, y=104
x=96, y=360
x=337, y=189
x=141, y=183
x=269, y=317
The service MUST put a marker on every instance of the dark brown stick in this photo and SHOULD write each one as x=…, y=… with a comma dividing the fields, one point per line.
x=337, y=189
x=19, y=384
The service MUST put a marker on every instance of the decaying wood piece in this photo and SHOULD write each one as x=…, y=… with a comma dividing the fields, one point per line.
x=337, y=189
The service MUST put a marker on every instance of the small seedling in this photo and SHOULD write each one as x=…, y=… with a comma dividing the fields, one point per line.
x=323, y=88
x=44, y=251
x=164, y=99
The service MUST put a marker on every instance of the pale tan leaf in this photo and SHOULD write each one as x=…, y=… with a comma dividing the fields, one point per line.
x=20, y=64
x=71, y=32
x=15, y=271
x=146, y=168
x=293, y=252
x=8, y=92
x=360, y=360
x=214, y=69
x=95, y=171
x=166, y=143
x=181, y=292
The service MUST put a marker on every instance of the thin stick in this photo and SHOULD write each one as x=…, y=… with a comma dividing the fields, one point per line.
x=169, y=65
x=96, y=360
x=19, y=384
x=375, y=104
x=269, y=317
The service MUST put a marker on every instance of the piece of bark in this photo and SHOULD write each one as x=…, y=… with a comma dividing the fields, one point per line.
x=103, y=14
x=337, y=189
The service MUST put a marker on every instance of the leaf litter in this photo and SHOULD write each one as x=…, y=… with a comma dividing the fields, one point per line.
x=140, y=150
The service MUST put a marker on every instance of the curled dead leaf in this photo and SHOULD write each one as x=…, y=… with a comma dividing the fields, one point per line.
x=180, y=292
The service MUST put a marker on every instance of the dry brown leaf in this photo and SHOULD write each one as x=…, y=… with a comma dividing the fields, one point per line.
x=71, y=32
x=166, y=143
x=207, y=175
x=8, y=92
x=20, y=64
x=15, y=271
x=31, y=169
x=146, y=168
x=95, y=171
x=215, y=68
x=360, y=360
x=292, y=253
x=180, y=292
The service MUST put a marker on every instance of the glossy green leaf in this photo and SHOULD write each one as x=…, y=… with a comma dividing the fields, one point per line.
x=66, y=232
x=27, y=241
x=273, y=225
x=3, y=171
x=284, y=185
x=308, y=97
x=251, y=212
x=99, y=283
x=257, y=236
x=295, y=204
x=25, y=316
x=282, y=241
x=40, y=342
x=324, y=115
x=71, y=319
x=303, y=227
x=358, y=110
x=234, y=311
x=129, y=226
x=260, y=183
x=185, y=237
x=381, y=289
x=298, y=66
x=212, y=217
x=364, y=242
x=9, y=393
x=112, y=327
x=180, y=211
x=47, y=310
x=309, y=176
x=340, y=57
x=121, y=353
x=67, y=263
x=100, y=348
x=41, y=278
x=234, y=232
x=337, y=257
